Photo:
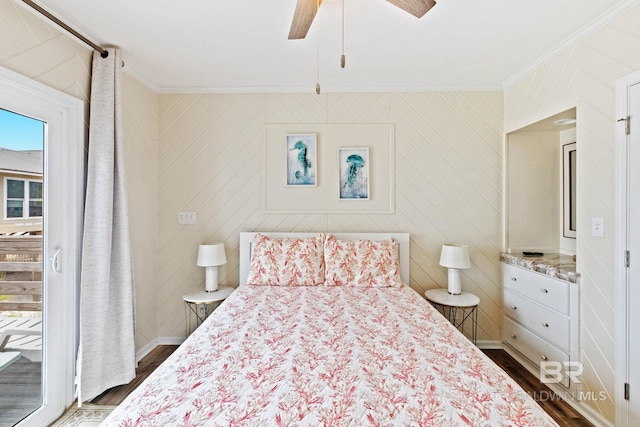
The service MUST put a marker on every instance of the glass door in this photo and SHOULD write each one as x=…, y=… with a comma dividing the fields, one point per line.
x=41, y=174
x=21, y=266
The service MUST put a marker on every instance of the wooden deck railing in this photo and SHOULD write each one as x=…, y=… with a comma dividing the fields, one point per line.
x=21, y=267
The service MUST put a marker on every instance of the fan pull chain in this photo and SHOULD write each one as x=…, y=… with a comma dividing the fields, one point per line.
x=343, y=59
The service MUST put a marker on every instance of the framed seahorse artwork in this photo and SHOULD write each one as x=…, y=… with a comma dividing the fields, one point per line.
x=302, y=160
x=354, y=173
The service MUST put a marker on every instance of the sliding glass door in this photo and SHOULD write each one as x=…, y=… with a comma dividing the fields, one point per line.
x=40, y=225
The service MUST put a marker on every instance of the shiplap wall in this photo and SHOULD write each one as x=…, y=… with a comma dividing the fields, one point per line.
x=584, y=75
x=448, y=171
x=448, y=183
x=35, y=48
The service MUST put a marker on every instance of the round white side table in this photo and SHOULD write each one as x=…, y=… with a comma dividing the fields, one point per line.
x=201, y=304
x=456, y=308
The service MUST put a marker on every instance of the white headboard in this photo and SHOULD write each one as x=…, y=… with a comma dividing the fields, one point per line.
x=246, y=239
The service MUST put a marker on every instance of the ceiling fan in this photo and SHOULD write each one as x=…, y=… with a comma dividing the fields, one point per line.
x=306, y=11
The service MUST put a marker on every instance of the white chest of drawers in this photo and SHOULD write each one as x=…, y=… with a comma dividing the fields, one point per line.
x=541, y=322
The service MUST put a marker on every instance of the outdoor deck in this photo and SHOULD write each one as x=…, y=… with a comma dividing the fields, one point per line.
x=20, y=391
x=21, y=297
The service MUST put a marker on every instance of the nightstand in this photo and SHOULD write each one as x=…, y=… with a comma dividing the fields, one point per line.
x=201, y=304
x=456, y=308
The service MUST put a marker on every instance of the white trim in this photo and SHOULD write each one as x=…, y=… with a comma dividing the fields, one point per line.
x=25, y=199
x=489, y=345
x=494, y=87
x=621, y=233
x=140, y=354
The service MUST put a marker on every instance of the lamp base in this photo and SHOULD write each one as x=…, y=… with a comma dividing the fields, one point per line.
x=454, y=286
x=211, y=279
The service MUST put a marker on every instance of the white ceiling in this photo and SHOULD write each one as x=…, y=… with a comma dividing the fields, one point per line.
x=242, y=45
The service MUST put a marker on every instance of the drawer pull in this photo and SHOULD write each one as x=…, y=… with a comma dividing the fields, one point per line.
x=513, y=307
x=544, y=291
x=514, y=279
x=513, y=336
x=545, y=324
x=543, y=357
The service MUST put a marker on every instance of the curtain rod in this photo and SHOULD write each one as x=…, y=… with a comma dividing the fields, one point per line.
x=103, y=52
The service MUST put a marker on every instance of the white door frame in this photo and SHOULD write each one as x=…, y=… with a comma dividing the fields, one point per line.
x=621, y=243
x=64, y=160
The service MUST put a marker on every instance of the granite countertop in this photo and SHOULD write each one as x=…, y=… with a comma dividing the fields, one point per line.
x=555, y=265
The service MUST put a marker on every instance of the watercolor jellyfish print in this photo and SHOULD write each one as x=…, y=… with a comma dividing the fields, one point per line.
x=354, y=180
x=301, y=160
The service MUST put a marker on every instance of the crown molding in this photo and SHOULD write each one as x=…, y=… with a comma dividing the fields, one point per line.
x=573, y=39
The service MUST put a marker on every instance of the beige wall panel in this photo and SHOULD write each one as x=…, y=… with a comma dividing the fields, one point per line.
x=140, y=112
x=33, y=47
x=211, y=162
x=359, y=108
x=584, y=75
x=296, y=108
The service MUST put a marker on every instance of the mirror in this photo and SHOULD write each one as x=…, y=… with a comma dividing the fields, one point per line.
x=569, y=189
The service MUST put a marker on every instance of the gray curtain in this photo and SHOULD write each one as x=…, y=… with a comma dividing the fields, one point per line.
x=106, y=355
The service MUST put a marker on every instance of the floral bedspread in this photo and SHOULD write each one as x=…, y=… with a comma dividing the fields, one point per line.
x=327, y=356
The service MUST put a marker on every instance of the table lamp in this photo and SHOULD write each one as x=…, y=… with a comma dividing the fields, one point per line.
x=454, y=257
x=211, y=256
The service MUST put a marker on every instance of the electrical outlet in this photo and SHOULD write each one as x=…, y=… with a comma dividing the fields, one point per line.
x=188, y=218
x=597, y=227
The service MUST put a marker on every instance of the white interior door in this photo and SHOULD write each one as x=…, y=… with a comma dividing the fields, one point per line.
x=63, y=162
x=633, y=282
x=628, y=252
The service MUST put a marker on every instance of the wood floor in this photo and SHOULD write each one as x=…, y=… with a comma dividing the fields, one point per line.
x=558, y=409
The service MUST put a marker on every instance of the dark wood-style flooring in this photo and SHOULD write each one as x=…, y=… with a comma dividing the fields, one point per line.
x=560, y=411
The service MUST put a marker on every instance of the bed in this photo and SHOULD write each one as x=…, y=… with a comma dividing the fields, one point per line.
x=355, y=347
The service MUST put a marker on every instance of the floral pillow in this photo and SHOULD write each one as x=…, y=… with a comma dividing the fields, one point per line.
x=287, y=262
x=363, y=263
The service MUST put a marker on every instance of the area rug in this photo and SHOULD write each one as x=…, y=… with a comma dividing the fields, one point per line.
x=87, y=416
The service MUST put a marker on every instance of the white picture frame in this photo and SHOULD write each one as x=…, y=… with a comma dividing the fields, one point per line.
x=301, y=160
x=353, y=172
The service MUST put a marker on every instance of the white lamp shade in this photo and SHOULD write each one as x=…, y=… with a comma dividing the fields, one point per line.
x=211, y=255
x=455, y=256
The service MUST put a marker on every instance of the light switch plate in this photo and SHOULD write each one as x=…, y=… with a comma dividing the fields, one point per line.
x=597, y=227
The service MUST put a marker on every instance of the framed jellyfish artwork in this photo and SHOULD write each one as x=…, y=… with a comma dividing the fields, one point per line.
x=302, y=160
x=353, y=165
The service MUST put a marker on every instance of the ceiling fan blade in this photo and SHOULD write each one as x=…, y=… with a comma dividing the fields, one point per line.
x=415, y=7
x=302, y=18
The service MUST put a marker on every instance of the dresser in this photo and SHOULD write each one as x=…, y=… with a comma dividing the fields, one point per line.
x=541, y=315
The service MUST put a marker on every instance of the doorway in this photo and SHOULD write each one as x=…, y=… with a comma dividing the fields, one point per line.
x=42, y=205
x=628, y=251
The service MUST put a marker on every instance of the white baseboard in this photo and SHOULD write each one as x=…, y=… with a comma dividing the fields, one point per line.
x=489, y=345
x=158, y=341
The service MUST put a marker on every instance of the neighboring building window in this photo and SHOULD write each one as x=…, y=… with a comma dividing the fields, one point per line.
x=24, y=198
